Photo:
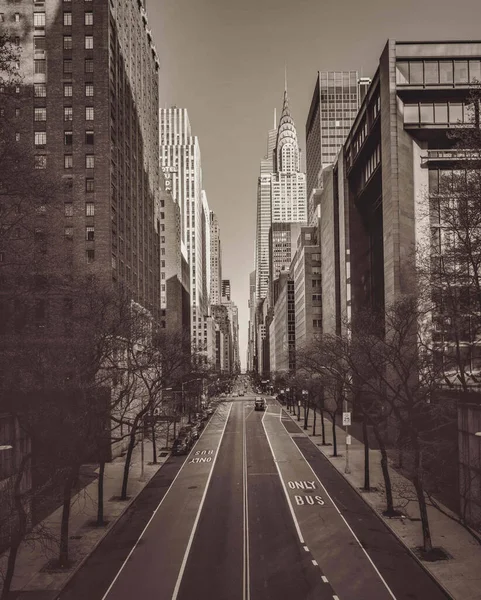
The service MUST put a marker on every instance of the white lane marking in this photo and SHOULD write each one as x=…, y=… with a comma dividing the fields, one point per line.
x=342, y=517
x=294, y=518
x=155, y=512
x=324, y=578
x=335, y=598
x=246, y=578
x=194, y=528
x=315, y=563
x=306, y=548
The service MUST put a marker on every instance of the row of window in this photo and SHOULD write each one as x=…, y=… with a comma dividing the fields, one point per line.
x=40, y=162
x=40, y=138
x=372, y=163
x=68, y=42
x=89, y=209
x=89, y=233
x=40, y=113
x=438, y=112
x=40, y=90
x=40, y=66
x=438, y=72
x=88, y=18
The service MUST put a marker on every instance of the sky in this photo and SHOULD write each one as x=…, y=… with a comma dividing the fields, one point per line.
x=224, y=61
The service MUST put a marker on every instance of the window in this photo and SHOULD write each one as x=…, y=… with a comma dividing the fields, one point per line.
x=474, y=71
x=89, y=161
x=89, y=65
x=40, y=65
x=89, y=209
x=427, y=113
x=39, y=44
x=431, y=72
x=67, y=42
x=67, y=90
x=411, y=113
x=69, y=232
x=89, y=42
x=89, y=113
x=68, y=138
x=40, y=90
x=40, y=138
x=89, y=18
x=89, y=137
x=40, y=161
x=40, y=114
x=317, y=323
x=68, y=209
x=67, y=113
x=67, y=19
x=89, y=234
x=441, y=113
x=67, y=65
x=89, y=185
x=38, y=19
x=316, y=297
x=455, y=112
x=446, y=71
x=90, y=256
x=89, y=89
x=68, y=161
x=460, y=71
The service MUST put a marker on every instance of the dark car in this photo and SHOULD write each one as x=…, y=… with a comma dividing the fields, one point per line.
x=260, y=404
x=181, y=445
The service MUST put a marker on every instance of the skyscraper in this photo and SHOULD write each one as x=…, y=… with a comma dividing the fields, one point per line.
x=264, y=218
x=215, y=260
x=181, y=164
x=88, y=111
x=334, y=106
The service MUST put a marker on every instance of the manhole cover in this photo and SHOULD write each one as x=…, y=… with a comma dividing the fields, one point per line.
x=192, y=487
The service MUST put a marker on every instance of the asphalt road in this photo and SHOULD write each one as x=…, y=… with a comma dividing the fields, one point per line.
x=229, y=524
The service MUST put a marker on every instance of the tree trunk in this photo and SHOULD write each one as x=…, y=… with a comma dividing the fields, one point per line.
x=100, y=495
x=418, y=486
x=367, y=475
x=323, y=428
x=306, y=414
x=385, y=472
x=334, y=437
x=19, y=534
x=314, y=422
x=128, y=459
x=154, y=443
x=63, y=559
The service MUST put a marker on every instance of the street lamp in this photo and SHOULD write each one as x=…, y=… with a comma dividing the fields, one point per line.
x=288, y=398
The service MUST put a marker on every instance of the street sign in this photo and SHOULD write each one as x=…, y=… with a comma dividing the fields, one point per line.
x=348, y=440
x=346, y=418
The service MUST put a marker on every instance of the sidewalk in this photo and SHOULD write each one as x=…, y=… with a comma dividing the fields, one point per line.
x=32, y=577
x=461, y=574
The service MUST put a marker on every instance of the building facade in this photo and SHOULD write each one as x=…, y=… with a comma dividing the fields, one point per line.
x=334, y=105
x=215, y=260
x=181, y=164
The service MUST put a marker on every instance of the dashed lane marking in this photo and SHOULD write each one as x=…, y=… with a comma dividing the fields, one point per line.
x=324, y=578
x=315, y=563
x=306, y=548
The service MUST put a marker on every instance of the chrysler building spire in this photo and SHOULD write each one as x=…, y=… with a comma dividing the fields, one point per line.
x=287, y=147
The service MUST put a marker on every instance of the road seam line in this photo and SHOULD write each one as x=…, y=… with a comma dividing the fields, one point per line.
x=343, y=518
x=201, y=505
x=154, y=513
x=294, y=518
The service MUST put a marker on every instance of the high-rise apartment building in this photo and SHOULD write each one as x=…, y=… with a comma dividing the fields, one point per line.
x=87, y=106
x=225, y=290
x=335, y=102
x=215, y=260
x=181, y=164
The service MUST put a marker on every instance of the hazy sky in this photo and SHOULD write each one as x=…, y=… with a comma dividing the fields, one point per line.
x=224, y=60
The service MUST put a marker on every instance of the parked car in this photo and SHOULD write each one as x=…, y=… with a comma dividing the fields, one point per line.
x=182, y=444
x=241, y=393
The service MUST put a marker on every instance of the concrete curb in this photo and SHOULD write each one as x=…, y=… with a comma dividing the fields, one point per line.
x=105, y=533
x=380, y=517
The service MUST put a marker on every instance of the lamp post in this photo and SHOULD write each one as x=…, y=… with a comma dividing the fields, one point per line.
x=288, y=398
